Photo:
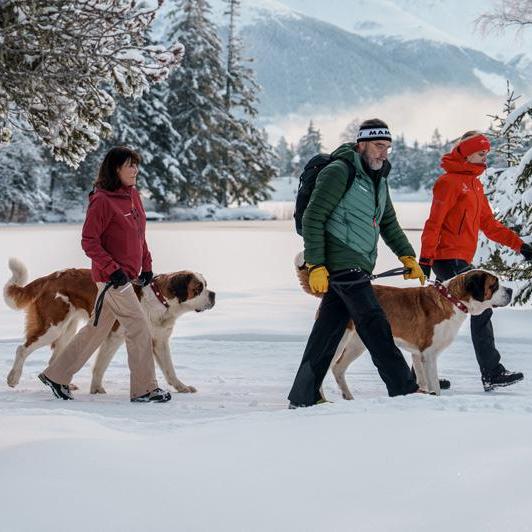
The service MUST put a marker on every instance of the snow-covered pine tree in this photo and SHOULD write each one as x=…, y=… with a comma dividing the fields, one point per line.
x=196, y=106
x=285, y=155
x=61, y=58
x=142, y=124
x=22, y=178
x=349, y=134
x=308, y=146
x=404, y=172
x=511, y=199
x=251, y=158
x=145, y=125
x=507, y=148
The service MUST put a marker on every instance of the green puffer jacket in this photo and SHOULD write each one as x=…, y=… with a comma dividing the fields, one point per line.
x=341, y=229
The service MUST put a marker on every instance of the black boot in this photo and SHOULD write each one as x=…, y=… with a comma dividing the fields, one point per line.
x=155, y=396
x=61, y=391
x=445, y=384
x=500, y=379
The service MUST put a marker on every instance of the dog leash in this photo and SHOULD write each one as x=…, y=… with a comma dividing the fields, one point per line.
x=367, y=277
x=99, y=302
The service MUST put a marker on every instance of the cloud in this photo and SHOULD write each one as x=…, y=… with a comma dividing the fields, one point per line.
x=415, y=115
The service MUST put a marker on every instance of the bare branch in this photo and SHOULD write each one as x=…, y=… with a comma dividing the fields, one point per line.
x=507, y=14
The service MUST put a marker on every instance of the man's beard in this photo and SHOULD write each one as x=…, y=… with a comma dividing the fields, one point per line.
x=374, y=164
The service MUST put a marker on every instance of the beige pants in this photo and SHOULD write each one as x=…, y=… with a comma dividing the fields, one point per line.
x=119, y=304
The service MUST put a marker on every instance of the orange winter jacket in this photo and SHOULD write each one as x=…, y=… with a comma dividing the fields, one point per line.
x=459, y=210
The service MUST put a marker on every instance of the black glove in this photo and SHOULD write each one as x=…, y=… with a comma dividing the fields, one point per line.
x=145, y=278
x=425, y=266
x=526, y=251
x=119, y=278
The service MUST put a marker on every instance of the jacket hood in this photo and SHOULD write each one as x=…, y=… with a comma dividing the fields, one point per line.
x=455, y=163
x=347, y=151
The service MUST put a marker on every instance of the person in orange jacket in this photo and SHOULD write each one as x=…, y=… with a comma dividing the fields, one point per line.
x=450, y=237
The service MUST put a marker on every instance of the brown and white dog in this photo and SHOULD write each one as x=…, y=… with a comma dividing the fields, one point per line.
x=423, y=321
x=57, y=303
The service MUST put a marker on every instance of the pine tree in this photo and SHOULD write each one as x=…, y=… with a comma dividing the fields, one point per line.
x=434, y=151
x=22, y=178
x=403, y=174
x=350, y=133
x=62, y=60
x=507, y=148
x=251, y=157
x=145, y=125
x=197, y=109
x=285, y=156
x=511, y=198
x=308, y=146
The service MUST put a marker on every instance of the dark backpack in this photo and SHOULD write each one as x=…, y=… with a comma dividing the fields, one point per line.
x=307, y=181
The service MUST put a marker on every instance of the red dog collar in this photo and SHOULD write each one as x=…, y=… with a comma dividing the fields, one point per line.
x=447, y=295
x=158, y=294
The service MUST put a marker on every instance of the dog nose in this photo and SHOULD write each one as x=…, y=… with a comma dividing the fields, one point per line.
x=509, y=292
x=212, y=297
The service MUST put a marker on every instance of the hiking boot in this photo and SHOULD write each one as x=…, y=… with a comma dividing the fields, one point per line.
x=501, y=379
x=445, y=384
x=61, y=391
x=293, y=406
x=155, y=396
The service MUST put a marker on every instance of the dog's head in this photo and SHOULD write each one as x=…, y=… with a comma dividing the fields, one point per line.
x=187, y=290
x=480, y=290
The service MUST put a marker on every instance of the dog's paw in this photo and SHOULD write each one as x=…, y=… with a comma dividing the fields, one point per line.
x=348, y=396
x=13, y=378
x=73, y=387
x=183, y=388
x=97, y=388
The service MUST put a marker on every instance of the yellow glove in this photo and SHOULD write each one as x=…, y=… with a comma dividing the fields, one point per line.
x=415, y=269
x=318, y=279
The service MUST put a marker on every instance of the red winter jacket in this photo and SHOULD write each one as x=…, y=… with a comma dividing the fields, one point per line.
x=459, y=209
x=113, y=233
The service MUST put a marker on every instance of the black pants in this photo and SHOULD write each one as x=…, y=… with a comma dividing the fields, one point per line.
x=339, y=304
x=488, y=358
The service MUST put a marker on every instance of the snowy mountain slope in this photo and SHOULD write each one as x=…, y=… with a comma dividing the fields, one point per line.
x=304, y=63
x=448, y=21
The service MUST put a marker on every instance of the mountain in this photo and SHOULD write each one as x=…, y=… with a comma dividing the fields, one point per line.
x=448, y=21
x=307, y=63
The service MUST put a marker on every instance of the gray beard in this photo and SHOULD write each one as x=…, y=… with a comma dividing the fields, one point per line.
x=375, y=165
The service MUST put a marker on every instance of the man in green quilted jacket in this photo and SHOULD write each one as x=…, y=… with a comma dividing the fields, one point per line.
x=341, y=229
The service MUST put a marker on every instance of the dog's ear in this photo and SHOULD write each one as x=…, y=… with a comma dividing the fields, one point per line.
x=179, y=285
x=476, y=285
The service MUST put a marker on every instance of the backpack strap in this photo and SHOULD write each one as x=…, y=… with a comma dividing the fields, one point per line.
x=352, y=172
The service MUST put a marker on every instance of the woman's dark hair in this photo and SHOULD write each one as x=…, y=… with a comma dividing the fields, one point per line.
x=107, y=174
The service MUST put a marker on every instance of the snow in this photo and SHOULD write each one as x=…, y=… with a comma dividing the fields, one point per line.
x=515, y=114
x=232, y=457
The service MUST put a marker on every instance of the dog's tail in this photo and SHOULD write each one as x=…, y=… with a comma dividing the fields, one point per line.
x=16, y=295
x=302, y=274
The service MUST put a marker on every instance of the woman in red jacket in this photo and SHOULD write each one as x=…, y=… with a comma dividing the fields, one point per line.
x=113, y=238
x=450, y=236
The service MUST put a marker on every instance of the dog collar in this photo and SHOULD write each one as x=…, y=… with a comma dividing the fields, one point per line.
x=158, y=294
x=447, y=295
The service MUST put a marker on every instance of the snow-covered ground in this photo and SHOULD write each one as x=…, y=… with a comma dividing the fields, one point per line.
x=232, y=457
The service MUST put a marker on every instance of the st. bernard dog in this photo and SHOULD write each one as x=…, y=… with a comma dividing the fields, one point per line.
x=424, y=320
x=57, y=303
